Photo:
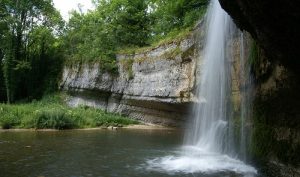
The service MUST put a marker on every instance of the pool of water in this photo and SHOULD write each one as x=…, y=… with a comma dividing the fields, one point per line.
x=101, y=153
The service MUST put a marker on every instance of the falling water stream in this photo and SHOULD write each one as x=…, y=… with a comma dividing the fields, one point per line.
x=209, y=146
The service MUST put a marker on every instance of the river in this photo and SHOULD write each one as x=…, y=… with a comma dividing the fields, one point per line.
x=83, y=153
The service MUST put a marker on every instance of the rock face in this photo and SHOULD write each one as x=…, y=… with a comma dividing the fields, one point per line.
x=276, y=138
x=275, y=60
x=154, y=86
x=273, y=23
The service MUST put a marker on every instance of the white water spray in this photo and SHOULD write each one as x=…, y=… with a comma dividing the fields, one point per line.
x=209, y=144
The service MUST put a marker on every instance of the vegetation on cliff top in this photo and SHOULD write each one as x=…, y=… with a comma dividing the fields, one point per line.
x=128, y=24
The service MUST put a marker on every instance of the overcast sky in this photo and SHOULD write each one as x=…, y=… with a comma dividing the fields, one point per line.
x=65, y=6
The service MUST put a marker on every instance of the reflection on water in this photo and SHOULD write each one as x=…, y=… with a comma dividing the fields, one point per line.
x=88, y=153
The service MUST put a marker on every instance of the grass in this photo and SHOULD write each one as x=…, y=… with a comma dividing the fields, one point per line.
x=52, y=113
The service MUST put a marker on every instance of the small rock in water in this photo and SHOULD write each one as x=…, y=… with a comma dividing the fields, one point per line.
x=115, y=128
x=112, y=128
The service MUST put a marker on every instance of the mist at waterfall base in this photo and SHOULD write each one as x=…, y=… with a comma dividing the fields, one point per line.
x=209, y=146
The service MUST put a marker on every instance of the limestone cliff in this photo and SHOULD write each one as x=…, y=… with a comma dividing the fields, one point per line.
x=153, y=86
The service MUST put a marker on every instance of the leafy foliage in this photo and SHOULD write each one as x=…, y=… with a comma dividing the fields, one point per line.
x=2, y=86
x=171, y=16
x=97, y=35
x=29, y=28
x=87, y=40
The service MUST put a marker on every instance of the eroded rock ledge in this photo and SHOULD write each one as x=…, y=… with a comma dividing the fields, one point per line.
x=154, y=86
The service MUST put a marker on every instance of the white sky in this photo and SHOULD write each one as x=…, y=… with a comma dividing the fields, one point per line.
x=65, y=6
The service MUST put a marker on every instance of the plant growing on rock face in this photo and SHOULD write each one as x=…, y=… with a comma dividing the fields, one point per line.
x=127, y=66
x=276, y=123
x=171, y=54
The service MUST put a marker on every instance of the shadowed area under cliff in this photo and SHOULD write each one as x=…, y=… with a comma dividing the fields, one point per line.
x=275, y=60
x=274, y=24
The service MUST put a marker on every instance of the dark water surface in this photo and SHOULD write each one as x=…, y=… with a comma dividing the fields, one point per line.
x=102, y=153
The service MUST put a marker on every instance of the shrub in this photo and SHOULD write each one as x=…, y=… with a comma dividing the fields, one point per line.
x=8, y=121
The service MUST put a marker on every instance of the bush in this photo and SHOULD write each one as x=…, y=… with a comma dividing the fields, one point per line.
x=8, y=121
x=9, y=118
x=53, y=119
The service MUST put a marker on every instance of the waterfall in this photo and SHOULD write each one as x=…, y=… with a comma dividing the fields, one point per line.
x=210, y=116
x=246, y=99
x=210, y=144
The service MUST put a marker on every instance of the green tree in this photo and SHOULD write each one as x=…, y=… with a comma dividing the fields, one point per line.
x=127, y=20
x=2, y=86
x=45, y=57
x=114, y=24
x=18, y=19
x=171, y=15
x=88, y=39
